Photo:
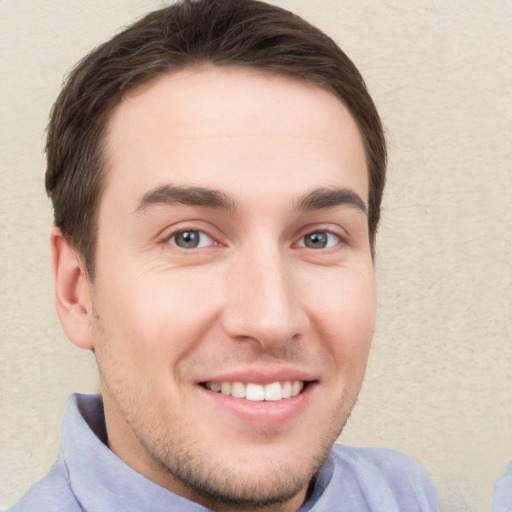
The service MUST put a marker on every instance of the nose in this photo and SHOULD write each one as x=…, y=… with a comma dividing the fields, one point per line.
x=263, y=303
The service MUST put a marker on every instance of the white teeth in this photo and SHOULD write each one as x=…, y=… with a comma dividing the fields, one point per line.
x=237, y=390
x=225, y=388
x=254, y=392
x=272, y=392
x=296, y=387
x=215, y=386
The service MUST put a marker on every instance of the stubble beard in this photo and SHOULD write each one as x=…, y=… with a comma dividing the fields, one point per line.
x=222, y=486
x=232, y=487
x=225, y=487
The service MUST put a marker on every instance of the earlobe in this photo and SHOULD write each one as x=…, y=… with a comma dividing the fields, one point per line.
x=72, y=292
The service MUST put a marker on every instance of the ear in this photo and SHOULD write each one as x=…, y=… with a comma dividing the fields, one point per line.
x=73, y=292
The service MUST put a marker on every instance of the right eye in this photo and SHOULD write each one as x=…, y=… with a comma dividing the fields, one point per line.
x=319, y=240
x=190, y=239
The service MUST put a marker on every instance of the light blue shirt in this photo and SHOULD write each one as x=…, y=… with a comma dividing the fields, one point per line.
x=502, y=501
x=89, y=477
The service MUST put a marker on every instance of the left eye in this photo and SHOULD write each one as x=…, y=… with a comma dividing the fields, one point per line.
x=319, y=240
x=190, y=239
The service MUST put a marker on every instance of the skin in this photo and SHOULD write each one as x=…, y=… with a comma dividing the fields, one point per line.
x=252, y=301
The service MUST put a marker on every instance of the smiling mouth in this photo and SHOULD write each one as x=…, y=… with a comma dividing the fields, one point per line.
x=271, y=392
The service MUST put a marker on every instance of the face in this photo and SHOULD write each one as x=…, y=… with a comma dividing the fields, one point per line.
x=233, y=302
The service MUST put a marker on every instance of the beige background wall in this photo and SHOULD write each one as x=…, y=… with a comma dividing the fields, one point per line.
x=439, y=379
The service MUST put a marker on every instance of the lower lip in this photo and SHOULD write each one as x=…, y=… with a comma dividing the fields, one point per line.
x=263, y=414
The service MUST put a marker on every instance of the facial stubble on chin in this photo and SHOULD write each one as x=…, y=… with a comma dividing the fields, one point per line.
x=226, y=487
x=205, y=481
x=215, y=486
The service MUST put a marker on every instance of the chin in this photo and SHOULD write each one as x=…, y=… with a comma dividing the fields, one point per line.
x=239, y=486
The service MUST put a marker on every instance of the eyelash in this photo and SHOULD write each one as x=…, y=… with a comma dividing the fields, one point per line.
x=331, y=239
x=329, y=236
x=182, y=232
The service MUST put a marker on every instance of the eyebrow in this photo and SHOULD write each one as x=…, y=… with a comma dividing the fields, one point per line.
x=190, y=196
x=323, y=198
x=317, y=199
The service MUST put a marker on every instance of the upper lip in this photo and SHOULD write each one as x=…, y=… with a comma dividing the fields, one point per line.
x=264, y=375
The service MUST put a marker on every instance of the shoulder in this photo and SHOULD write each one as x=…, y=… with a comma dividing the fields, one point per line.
x=384, y=460
x=502, y=499
x=387, y=475
x=51, y=493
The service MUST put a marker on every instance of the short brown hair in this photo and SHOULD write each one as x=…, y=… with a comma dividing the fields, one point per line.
x=246, y=33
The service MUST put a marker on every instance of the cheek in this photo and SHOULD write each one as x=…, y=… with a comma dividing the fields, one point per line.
x=157, y=317
x=346, y=317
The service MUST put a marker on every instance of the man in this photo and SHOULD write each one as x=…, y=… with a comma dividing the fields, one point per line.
x=216, y=172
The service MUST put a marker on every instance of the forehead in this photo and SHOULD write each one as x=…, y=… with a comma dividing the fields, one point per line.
x=228, y=127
